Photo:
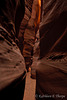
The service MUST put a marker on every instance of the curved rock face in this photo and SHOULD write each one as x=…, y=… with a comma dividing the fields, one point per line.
x=24, y=23
x=51, y=73
x=12, y=65
x=53, y=28
x=28, y=29
x=9, y=13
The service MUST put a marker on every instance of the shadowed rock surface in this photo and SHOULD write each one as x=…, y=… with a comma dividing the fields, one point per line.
x=12, y=65
x=51, y=73
x=28, y=30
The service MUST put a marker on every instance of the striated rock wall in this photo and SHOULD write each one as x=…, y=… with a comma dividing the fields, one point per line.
x=51, y=71
x=53, y=27
x=12, y=64
x=28, y=29
x=24, y=23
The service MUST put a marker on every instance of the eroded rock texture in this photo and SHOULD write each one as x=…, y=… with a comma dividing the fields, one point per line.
x=12, y=65
x=51, y=73
x=28, y=29
x=53, y=28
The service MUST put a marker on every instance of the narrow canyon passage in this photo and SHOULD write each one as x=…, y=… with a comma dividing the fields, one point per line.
x=30, y=88
x=33, y=49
